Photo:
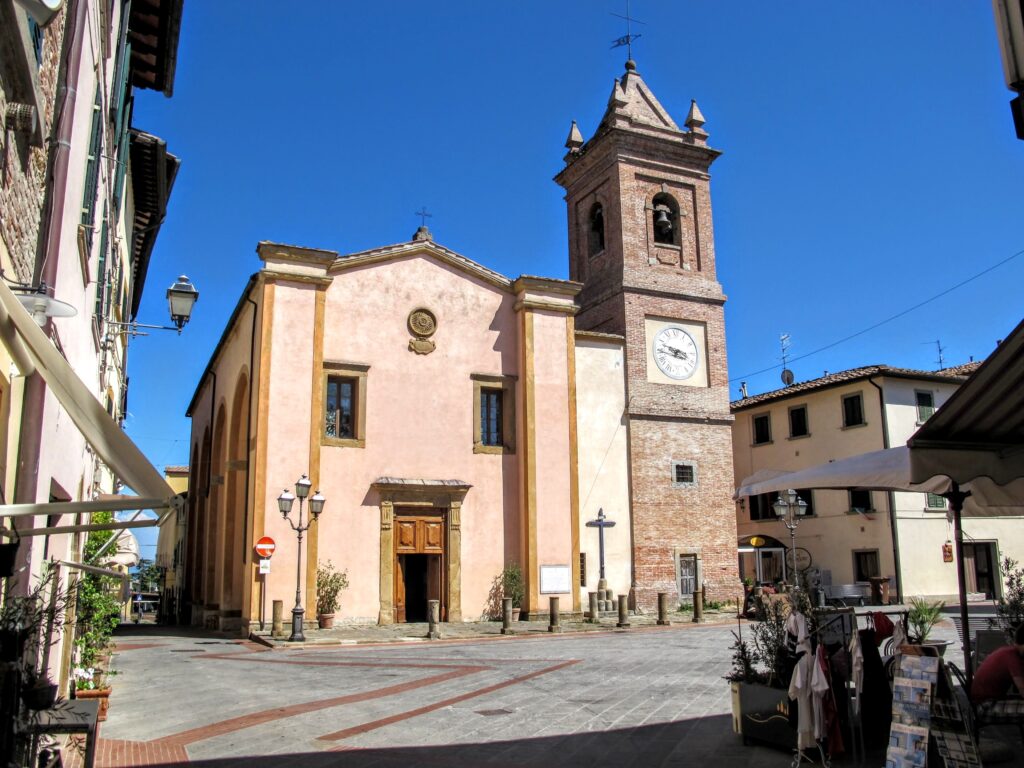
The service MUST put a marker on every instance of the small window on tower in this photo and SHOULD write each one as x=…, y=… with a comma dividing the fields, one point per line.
x=596, y=230
x=666, y=219
x=683, y=473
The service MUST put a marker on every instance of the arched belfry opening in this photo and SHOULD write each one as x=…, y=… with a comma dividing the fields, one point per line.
x=595, y=230
x=665, y=217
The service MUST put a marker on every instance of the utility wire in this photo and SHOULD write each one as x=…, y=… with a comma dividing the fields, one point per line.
x=880, y=323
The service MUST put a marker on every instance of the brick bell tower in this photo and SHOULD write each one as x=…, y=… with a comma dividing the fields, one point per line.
x=641, y=242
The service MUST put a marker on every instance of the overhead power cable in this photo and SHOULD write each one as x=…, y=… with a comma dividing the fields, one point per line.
x=889, y=319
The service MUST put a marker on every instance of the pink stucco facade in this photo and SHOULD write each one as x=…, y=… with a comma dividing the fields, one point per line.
x=419, y=423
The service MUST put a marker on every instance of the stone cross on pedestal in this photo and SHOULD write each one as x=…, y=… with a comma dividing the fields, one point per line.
x=601, y=523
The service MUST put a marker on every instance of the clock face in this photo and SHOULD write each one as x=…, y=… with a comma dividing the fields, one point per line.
x=675, y=352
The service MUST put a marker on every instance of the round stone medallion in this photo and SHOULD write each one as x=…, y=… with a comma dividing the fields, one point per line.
x=422, y=323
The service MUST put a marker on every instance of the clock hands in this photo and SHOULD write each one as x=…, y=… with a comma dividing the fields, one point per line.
x=674, y=351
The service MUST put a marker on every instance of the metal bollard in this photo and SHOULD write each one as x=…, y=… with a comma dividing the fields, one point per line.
x=277, y=625
x=663, y=609
x=506, y=616
x=698, y=606
x=623, y=611
x=595, y=612
x=554, y=620
x=433, y=615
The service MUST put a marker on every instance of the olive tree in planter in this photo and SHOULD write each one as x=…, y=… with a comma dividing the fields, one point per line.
x=329, y=586
x=760, y=696
x=512, y=585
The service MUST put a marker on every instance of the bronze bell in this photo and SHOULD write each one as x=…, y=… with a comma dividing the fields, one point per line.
x=662, y=220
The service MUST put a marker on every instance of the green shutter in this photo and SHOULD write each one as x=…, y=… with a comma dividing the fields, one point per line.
x=101, y=273
x=92, y=168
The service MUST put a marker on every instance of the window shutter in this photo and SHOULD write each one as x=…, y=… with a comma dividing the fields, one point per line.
x=92, y=168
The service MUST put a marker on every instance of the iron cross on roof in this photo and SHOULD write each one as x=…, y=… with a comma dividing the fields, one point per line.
x=422, y=213
x=601, y=523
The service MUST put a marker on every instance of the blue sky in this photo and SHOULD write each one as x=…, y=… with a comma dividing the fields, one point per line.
x=869, y=162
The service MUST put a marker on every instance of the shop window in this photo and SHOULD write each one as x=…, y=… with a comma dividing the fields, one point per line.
x=865, y=564
x=798, y=421
x=860, y=501
x=762, y=429
x=494, y=422
x=853, y=410
x=925, y=406
x=344, y=405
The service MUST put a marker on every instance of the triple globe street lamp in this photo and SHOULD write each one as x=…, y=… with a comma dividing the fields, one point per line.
x=316, y=506
x=789, y=509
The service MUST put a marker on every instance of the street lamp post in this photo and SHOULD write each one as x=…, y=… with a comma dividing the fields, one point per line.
x=316, y=506
x=789, y=509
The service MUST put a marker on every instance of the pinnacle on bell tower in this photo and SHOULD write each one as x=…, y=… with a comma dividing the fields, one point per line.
x=639, y=204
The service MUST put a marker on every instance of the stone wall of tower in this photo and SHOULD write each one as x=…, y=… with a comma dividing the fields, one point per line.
x=669, y=521
x=636, y=154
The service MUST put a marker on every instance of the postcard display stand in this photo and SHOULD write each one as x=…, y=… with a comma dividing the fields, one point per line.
x=923, y=705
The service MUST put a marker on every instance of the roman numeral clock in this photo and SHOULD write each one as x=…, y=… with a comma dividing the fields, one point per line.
x=676, y=352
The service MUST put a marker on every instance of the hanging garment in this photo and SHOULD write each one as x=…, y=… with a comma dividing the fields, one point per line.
x=828, y=728
x=883, y=626
x=857, y=667
x=899, y=637
x=876, y=696
x=800, y=691
x=796, y=627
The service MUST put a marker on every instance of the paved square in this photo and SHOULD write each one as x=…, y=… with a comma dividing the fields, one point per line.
x=646, y=697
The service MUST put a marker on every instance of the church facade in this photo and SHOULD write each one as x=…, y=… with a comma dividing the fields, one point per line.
x=458, y=421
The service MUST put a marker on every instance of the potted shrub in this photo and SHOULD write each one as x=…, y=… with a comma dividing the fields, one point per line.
x=921, y=618
x=329, y=586
x=1010, y=609
x=512, y=586
x=760, y=696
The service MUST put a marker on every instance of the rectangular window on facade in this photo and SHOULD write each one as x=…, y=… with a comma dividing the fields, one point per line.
x=494, y=425
x=340, y=420
x=936, y=502
x=583, y=569
x=865, y=564
x=490, y=416
x=762, y=429
x=860, y=501
x=798, y=421
x=925, y=406
x=683, y=473
x=853, y=410
x=344, y=404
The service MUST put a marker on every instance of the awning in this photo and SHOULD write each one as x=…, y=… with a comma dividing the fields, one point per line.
x=979, y=431
x=33, y=351
x=889, y=470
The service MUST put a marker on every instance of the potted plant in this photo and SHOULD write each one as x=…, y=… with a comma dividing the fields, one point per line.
x=329, y=586
x=91, y=683
x=1010, y=608
x=921, y=618
x=512, y=586
x=760, y=696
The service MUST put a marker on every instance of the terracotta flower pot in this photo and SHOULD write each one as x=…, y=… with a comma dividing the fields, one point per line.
x=102, y=695
x=326, y=620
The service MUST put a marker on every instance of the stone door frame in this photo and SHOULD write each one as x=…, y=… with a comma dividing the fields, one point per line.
x=446, y=495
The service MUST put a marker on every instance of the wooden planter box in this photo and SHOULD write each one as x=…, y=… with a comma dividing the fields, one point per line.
x=761, y=714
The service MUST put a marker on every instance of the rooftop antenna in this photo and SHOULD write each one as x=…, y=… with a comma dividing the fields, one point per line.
x=629, y=37
x=785, y=344
x=942, y=358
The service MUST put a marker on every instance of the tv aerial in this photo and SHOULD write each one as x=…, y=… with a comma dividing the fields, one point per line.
x=787, y=375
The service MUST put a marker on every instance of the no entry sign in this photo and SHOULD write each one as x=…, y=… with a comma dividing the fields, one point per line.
x=265, y=547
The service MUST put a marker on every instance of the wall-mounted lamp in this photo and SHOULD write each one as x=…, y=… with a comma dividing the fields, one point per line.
x=42, y=306
x=181, y=297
